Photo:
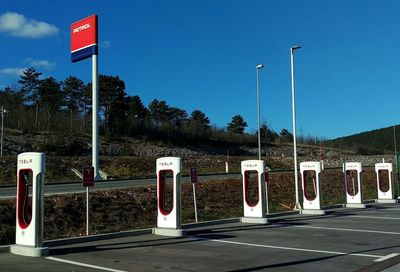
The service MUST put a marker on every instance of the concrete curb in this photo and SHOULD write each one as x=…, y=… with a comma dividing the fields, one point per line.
x=5, y=248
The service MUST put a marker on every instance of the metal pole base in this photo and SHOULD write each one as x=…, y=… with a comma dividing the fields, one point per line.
x=297, y=207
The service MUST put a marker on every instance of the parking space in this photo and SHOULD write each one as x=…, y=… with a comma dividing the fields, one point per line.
x=342, y=240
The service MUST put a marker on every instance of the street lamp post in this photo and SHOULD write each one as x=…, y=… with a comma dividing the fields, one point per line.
x=2, y=112
x=258, y=67
x=298, y=206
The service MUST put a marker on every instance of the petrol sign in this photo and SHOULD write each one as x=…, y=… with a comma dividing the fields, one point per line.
x=193, y=175
x=84, y=38
x=88, y=176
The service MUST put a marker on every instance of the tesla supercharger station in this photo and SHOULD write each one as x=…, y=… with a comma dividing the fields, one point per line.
x=169, y=197
x=254, y=209
x=311, y=186
x=29, y=215
x=352, y=178
x=384, y=182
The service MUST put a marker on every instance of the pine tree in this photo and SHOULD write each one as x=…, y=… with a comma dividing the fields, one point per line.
x=237, y=125
x=30, y=89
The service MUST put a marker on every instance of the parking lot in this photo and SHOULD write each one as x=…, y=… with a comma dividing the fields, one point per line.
x=343, y=240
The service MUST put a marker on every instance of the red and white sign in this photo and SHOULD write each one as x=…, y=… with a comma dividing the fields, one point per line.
x=88, y=176
x=193, y=175
x=84, y=38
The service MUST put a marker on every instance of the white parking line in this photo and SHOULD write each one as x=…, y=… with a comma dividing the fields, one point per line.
x=292, y=248
x=341, y=229
x=84, y=265
x=386, y=257
x=373, y=217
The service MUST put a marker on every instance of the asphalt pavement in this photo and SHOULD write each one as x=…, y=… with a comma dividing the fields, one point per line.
x=343, y=240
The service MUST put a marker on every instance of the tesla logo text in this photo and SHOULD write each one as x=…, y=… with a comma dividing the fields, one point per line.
x=165, y=163
x=25, y=161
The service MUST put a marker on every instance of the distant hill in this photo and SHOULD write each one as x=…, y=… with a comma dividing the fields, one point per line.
x=379, y=141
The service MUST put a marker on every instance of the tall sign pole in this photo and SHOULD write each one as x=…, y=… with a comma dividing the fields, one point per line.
x=84, y=40
x=95, y=118
x=84, y=45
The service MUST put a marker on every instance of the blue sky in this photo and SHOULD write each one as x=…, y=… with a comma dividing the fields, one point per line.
x=203, y=54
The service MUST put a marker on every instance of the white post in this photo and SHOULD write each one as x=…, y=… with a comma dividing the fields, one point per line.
x=95, y=111
x=2, y=130
x=194, y=201
x=258, y=116
x=258, y=67
x=266, y=175
x=297, y=205
x=395, y=144
x=266, y=197
x=397, y=173
x=95, y=131
x=87, y=210
x=395, y=156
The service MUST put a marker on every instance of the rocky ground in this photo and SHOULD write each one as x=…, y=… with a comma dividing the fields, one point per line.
x=66, y=145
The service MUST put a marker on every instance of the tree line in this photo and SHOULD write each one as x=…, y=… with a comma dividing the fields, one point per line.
x=378, y=141
x=48, y=105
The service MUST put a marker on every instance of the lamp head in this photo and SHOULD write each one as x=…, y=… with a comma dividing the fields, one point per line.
x=295, y=47
x=260, y=66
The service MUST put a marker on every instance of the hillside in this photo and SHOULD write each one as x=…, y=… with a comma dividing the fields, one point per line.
x=55, y=144
x=379, y=141
x=124, y=157
x=135, y=157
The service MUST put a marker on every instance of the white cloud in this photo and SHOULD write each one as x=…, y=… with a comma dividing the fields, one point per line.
x=12, y=71
x=17, y=25
x=30, y=62
x=105, y=44
x=45, y=64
